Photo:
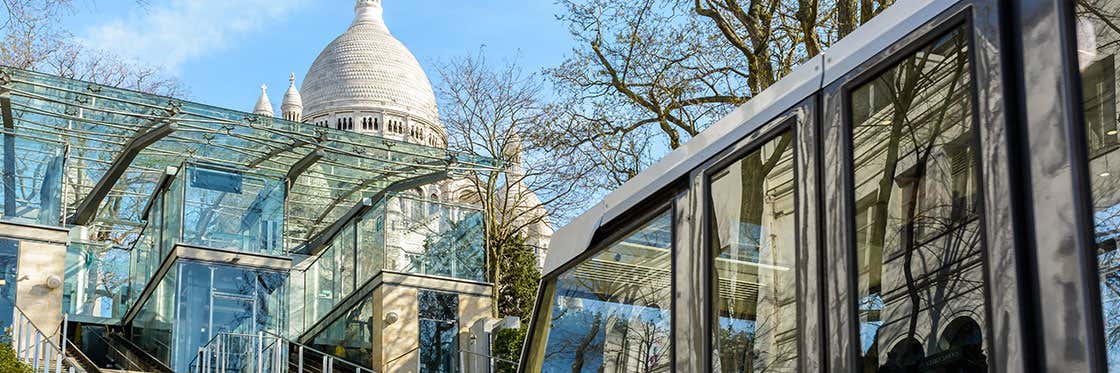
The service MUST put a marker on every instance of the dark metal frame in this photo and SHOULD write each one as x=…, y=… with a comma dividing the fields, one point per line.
x=1042, y=299
x=768, y=133
x=960, y=20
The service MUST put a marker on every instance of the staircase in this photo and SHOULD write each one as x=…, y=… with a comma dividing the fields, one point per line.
x=101, y=349
x=41, y=351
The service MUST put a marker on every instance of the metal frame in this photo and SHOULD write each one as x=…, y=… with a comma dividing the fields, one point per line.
x=662, y=202
x=1062, y=259
x=839, y=93
x=87, y=210
x=1031, y=151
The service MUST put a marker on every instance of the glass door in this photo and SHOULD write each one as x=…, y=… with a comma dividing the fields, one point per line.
x=232, y=314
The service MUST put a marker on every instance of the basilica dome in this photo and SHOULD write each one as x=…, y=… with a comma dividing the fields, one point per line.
x=367, y=70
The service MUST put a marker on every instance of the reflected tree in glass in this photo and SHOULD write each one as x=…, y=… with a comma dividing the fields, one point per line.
x=1098, y=34
x=754, y=261
x=918, y=242
x=611, y=313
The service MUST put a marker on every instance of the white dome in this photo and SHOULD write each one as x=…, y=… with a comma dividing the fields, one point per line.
x=367, y=69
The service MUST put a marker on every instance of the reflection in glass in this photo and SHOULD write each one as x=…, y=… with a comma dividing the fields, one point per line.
x=611, y=313
x=917, y=217
x=439, y=332
x=96, y=282
x=1098, y=35
x=754, y=263
x=232, y=211
x=31, y=181
x=351, y=336
x=196, y=301
x=9, y=269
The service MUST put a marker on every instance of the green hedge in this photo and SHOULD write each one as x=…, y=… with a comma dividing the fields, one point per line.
x=9, y=362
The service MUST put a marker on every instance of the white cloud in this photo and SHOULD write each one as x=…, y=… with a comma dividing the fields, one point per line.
x=171, y=32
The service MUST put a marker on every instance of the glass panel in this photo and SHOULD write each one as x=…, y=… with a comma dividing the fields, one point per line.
x=371, y=243
x=232, y=211
x=9, y=271
x=351, y=336
x=193, y=324
x=96, y=282
x=919, y=246
x=447, y=243
x=611, y=313
x=31, y=185
x=439, y=332
x=152, y=326
x=755, y=261
x=1098, y=34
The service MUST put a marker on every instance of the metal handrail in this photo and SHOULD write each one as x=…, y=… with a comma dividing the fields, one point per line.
x=122, y=354
x=35, y=348
x=276, y=345
x=401, y=356
x=491, y=357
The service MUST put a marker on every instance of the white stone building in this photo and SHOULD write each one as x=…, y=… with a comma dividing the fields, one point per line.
x=367, y=81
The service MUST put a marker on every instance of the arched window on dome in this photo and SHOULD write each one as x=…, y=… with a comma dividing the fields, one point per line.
x=376, y=125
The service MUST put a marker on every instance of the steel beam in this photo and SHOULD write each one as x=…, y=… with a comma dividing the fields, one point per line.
x=9, y=168
x=319, y=241
x=303, y=165
x=160, y=129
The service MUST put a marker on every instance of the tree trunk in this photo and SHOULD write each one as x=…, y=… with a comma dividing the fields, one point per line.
x=846, y=14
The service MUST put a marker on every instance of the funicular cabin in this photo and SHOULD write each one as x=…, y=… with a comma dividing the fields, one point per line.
x=934, y=193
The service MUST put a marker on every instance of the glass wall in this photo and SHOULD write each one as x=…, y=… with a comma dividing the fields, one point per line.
x=96, y=282
x=439, y=331
x=31, y=182
x=918, y=242
x=1098, y=35
x=401, y=233
x=351, y=336
x=9, y=272
x=753, y=222
x=612, y=312
x=197, y=301
x=232, y=210
x=152, y=326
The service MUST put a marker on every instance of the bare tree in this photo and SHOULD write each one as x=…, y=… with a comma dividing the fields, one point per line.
x=33, y=40
x=648, y=75
x=499, y=112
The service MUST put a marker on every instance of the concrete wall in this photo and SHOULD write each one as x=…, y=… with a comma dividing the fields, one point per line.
x=398, y=351
x=42, y=254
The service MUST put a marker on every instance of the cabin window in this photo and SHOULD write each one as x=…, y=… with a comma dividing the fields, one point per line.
x=612, y=311
x=1098, y=35
x=754, y=261
x=917, y=221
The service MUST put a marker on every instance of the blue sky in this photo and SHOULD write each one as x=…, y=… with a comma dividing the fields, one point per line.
x=223, y=50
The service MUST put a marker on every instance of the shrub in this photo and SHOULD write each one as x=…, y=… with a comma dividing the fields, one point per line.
x=9, y=362
x=507, y=345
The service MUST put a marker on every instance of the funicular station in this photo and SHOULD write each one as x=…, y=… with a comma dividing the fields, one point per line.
x=936, y=192
x=148, y=234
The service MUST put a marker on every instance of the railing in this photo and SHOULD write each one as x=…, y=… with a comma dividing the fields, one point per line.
x=266, y=353
x=469, y=361
x=40, y=350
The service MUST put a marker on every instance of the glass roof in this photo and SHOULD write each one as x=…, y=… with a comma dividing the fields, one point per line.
x=98, y=122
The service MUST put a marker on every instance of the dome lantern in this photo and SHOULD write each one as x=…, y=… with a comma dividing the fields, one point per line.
x=292, y=107
x=264, y=106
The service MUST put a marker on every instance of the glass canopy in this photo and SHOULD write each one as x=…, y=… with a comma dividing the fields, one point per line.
x=115, y=146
